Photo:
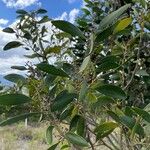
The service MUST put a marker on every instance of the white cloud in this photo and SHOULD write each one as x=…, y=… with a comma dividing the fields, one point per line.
x=20, y=3
x=69, y=17
x=3, y=21
x=73, y=14
x=71, y=1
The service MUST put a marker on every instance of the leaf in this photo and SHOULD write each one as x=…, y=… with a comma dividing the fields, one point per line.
x=44, y=19
x=62, y=100
x=21, y=11
x=105, y=129
x=104, y=35
x=123, y=24
x=55, y=49
x=83, y=91
x=144, y=114
x=74, y=122
x=53, y=147
x=76, y=139
x=17, y=118
x=32, y=56
x=84, y=64
x=112, y=91
x=41, y=11
x=68, y=27
x=51, y=70
x=13, y=99
x=10, y=45
x=22, y=68
x=49, y=134
x=8, y=30
x=111, y=18
x=106, y=66
x=103, y=101
x=81, y=126
x=15, y=78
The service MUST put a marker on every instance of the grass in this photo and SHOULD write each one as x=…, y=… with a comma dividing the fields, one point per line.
x=19, y=137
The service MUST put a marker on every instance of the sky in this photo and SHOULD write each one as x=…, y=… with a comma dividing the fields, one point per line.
x=60, y=9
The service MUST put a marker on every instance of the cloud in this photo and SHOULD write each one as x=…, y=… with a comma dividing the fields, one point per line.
x=3, y=21
x=69, y=17
x=20, y=3
x=71, y=1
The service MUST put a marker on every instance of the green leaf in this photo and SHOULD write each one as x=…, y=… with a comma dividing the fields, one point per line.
x=53, y=147
x=83, y=91
x=8, y=30
x=22, y=68
x=144, y=114
x=112, y=91
x=21, y=11
x=76, y=139
x=15, y=78
x=17, y=118
x=41, y=11
x=13, y=99
x=51, y=70
x=123, y=24
x=84, y=64
x=74, y=122
x=105, y=129
x=104, y=34
x=10, y=45
x=62, y=100
x=49, y=134
x=106, y=66
x=55, y=49
x=81, y=126
x=68, y=27
x=44, y=19
x=32, y=56
x=111, y=18
x=103, y=101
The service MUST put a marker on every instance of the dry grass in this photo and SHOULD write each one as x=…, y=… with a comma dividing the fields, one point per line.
x=18, y=137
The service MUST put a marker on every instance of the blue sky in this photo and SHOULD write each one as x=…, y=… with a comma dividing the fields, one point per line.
x=60, y=9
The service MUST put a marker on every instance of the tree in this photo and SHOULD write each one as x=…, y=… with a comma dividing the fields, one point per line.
x=97, y=90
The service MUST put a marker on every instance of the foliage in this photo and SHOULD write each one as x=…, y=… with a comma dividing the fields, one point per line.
x=97, y=88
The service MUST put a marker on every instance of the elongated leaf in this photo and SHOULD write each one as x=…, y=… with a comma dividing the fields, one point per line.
x=17, y=118
x=53, y=147
x=103, y=101
x=107, y=66
x=41, y=11
x=68, y=27
x=62, y=100
x=104, y=34
x=81, y=126
x=76, y=139
x=112, y=91
x=105, y=129
x=21, y=11
x=111, y=18
x=10, y=45
x=49, y=134
x=144, y=114
x=13, y=99
x=8, y=30
x=15, y=78
x=52, y=70
x=83, y=91
x=123, y=24
x=22, y=68
x=85, y=64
